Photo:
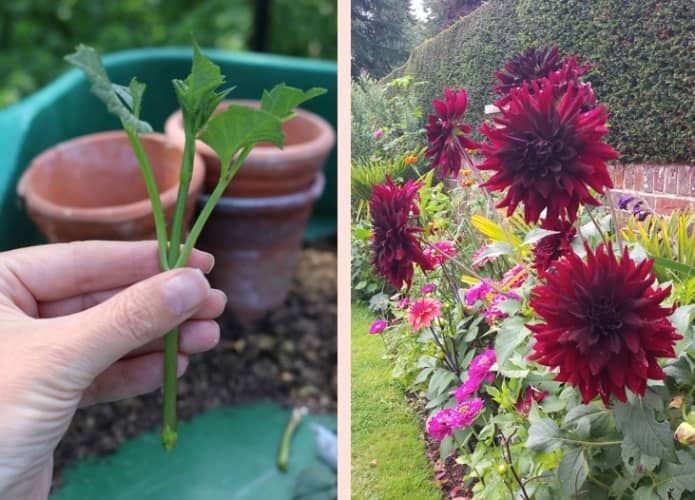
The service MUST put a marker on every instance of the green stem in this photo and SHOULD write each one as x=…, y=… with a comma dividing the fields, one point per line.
x=171, y=347
x=153, y=193
x=184, y=184
x=225, y=178
x=592, y=443
x=284, y=452
x=598, y=227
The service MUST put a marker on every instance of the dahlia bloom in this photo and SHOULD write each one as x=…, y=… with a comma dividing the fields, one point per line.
x=546, y=153
x=395, y=247
x=444, y=422
x=603, y=324
x=479, y=291
x=378, y=326
x=446, y=132
x=492, y=312
x=481, y=364
x=423, y=311
x=410, y=160
x=554, y=246
x=526, y=66
x=439, y=252
x=478, y=260
x=467, y=389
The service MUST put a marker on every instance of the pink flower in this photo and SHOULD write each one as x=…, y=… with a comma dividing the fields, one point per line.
x=467, y=389
x=515, y=277
x=440, y=425
x=466, y=411
x=423, y=311
x=403, y=303
x=378, y=134
x=428, y=288
x=478, y=291
x=523, y=405
x=492, y=312
x=481, y=364
x=440, y=251
x=378, y=326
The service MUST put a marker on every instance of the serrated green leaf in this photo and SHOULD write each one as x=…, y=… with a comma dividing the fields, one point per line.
x=674, y=479
x=681, y=370
x=511, y=334
x=573, y=471
x=544, y=436
x=124, y=102
x=239, y=127
x=639, y=424
x=591, y=411
x=281, y=100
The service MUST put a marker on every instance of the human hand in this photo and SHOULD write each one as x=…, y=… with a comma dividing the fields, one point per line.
x=82, y=323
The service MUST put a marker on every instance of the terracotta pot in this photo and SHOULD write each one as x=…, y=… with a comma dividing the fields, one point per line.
x=256, y=243
x=268, y=170
x=91, y=187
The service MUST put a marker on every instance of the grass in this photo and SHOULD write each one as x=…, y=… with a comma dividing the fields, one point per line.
x=388, y=451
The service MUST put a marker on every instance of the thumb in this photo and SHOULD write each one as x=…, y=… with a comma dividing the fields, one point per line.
x=137, y=315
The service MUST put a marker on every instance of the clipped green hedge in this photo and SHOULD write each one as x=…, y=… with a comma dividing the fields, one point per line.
x=643, y=54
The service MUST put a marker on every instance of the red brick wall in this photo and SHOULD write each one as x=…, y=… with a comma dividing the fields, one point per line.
x=664, y=187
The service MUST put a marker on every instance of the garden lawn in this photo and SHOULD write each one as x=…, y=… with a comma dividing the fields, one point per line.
x=388, y=452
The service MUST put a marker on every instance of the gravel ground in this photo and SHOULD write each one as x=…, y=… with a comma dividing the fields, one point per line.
x=288, y=356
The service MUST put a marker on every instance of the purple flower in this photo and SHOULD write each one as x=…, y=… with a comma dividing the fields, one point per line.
x=378, y=326
x=481, y=364
x=624, y=201
x=466, y=411
x=378, y=134
x=441, y=424
x=478, y=292
x=468, y=388
x=403, y=303
x=428, y=288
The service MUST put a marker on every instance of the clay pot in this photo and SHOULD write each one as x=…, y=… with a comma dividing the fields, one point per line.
x=91, y=187
x=268, y=170
x=257, y=243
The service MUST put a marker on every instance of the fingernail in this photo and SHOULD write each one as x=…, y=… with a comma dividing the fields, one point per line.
x=181, y=364
x=221, y=294
x=212, y=262
x=185, y=291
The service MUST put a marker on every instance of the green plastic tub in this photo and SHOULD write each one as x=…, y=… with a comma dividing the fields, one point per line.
x=66, y=109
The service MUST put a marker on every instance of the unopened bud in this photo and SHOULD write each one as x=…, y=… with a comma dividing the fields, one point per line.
x=685, y=434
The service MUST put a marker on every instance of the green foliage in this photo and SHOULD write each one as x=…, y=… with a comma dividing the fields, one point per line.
x=35, y=34
x=391, y=108
x=642, y=54
x=365, y=282
x=366, y=174
x=281, y=100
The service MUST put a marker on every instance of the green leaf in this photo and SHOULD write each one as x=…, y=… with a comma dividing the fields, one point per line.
x=124, y=102
x=674, y=479
x=682, y=269
x=239, y=127
x=572, y=471
x=196, y=94
x=281, y=100
x=639, y=424
x=511, y=334
x=634, y=459
x=544, y=436
x=590, y=411
x=535, y=235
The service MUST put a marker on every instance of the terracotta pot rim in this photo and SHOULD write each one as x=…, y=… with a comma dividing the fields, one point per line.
x=323, y=142
x=282, y=202
x=113, y=213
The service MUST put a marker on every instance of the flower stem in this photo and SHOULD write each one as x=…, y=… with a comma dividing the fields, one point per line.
x=153, y=193
x=184, y=184
x=225, y=177
x=171, y=347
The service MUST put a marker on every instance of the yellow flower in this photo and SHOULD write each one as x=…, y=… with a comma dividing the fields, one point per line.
x=466, y=172
x=410, y=159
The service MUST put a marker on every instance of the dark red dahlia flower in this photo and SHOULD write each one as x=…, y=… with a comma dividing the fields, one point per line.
x=553, y=246
x=568, y=74
x=527, y=66
x=546, y=153
x=395, y=246
x=604, y=326
x=446, y=132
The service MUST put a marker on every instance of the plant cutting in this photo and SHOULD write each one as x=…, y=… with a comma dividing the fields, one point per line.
x=232, y=134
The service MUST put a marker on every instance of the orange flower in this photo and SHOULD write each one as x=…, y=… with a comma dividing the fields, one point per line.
x=467, y=183
x=466, y=172
x=410, y=159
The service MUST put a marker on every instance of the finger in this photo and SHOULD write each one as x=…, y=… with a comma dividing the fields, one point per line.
x=211, y=308
x=129, y=378
x=61, y=270
x=139, y=314
x=194, y=337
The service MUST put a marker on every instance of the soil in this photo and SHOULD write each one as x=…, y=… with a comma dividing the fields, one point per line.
x=289, y=356
x=448, y=474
